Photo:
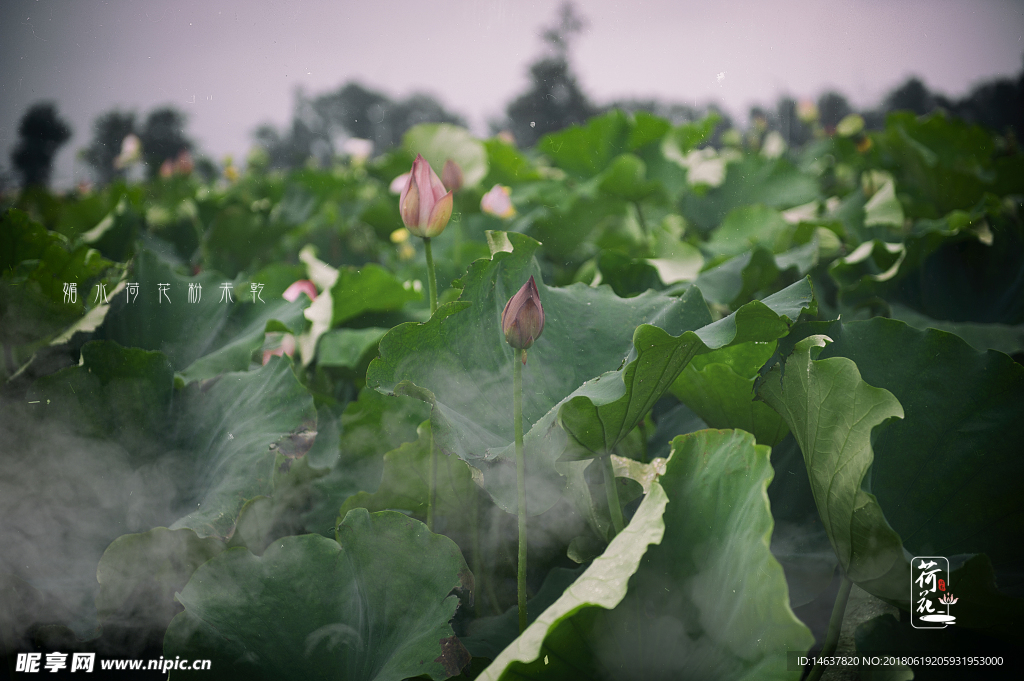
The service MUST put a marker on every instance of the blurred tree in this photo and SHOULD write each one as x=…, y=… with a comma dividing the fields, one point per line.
x=351, y=111
x=163, y=138
x=41, y=133
x=554, y=99
x=911, y=96
x=832, y=108
x=109, y=131
x=789, y=124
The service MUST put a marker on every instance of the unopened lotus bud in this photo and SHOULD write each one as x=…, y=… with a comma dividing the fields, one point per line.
x=522, y=320
x=451, y=176
x=424, y=205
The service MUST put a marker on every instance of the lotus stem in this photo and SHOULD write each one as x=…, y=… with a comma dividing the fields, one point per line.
x=614, y=508
x=432, y=492
x=518, y=360
x=835, y=626
x=431, y=277
x=432, y=289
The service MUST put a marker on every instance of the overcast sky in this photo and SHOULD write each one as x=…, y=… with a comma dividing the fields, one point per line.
x=233, y=64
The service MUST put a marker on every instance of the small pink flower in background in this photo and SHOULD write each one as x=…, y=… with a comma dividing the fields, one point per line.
x=498, y=202
x=183, y=165
x=286, y=347
x=167, y=168
x=425, y=205
x=398, y=184
x=292, y=293
x=451, y=176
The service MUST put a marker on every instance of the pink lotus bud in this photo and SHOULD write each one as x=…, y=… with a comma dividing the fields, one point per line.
x=424, y=205
x=522, y=320
x=292, y=293
x=451, y=176
x=497, y=202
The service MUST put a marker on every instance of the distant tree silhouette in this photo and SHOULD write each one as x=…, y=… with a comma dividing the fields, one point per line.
x=163, y=137
x=109, y=131
x=351, y=111
x=554, y=99
x=40, y=134
x=787, y=121
x=911, y=96
x=997, y=104
x=832, y=108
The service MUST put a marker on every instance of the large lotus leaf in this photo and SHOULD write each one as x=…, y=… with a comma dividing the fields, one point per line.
x=138, y=575
x=980, y=336
x=709, y=602
x=626, y=178
x=940, y=163
x=236, y=427
x=602, y=412
x=441, y=141
x=405, y=483
x=586, y=150
x=371, y=426
x=754, y=273
x=752, y=180
x=35, y=267
x=506, y=165
x=602, y=585
x=746, y=226
x=719, y=387
x=947, y=475
x=369, y=289
x=348, y=348
x=374, y=605
x=832, y=413
x=203, y=338
x=460, y=363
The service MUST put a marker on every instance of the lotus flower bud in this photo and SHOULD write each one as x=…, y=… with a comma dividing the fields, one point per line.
x=424, y=205
x=451, y=176
x=522, y=320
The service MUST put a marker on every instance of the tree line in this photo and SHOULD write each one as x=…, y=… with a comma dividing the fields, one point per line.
x=553, y=100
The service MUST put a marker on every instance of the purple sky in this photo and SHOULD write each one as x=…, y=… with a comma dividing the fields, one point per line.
x=231, y=65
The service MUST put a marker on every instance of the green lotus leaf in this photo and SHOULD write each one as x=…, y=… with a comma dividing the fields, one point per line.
x=237, y=426
x=719, y=387
x=370, y=426
x=368, y=289
x=601, y=413
x=946, y=475
x=375, y=604
x=138, y=575
x=709, y=601
x=832, y=413
x=201, y=339
x=602, y=585
x=405, y=483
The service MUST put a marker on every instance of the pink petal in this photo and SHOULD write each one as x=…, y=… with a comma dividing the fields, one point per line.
x=291, y=294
